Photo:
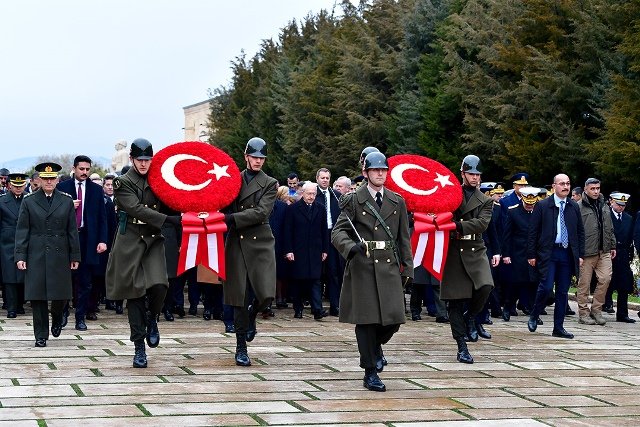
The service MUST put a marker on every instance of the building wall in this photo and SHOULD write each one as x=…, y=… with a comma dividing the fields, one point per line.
x=196, y=117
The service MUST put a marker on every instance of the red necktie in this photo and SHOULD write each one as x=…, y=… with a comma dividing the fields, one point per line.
x=79, y=210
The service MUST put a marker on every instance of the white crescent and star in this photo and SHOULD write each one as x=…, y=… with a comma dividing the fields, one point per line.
x=396, y=175
x=168, y=171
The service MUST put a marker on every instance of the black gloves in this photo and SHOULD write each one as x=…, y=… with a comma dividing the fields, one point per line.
x=228, y=219
x=358, y=248
x=175, y=220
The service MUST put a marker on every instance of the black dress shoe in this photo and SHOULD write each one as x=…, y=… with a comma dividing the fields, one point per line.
x=562, y=333
x=282, y=304
x=206, y=315
x=532, y=324
x=487, y=321
x=229, y=328
x=140, y=355
x=65, y=317
x=372, y=380
x=569, y=312
x=11, y=315
x=431, y=314
x=168, y=316
x=56, y=328
x=415, y=317
x=526, y=311
x=20, y=310
x=41, y=342
x=320, y=315
x=334, y=312
x=463, y=352
x=92, y=316
x=625, y=320
x=193, y=310
x=539, y=321
x=482, y=332
x=506, y=315
x=153, y=334
x=442, y=319
x=110, y=305
x=608, y=309
x=497, y=313
x=381, y=361
x=298, y=314
x=179, y=311
x=472, y=331
x=119, y=309
x=80, y=325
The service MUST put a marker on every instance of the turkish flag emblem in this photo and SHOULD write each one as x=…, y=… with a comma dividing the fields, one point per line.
x=426, y=185
x=194, y=177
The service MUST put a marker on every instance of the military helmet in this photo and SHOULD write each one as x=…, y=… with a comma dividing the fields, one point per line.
x=256, y=147
x=376, y=160
x=471, y=164
x=141, y=149
x=367, y=151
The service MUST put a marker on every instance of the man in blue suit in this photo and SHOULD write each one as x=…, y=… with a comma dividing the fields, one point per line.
x=91, y=219
x=555, y=246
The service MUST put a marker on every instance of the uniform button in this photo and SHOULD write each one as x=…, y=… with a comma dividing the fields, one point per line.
x=241, y=207
x=364, y=213
x=473, y=249
x=394, y=212
x=142, y=237
x=254, y=237
x=461, y=250
x=241, y=236
x=388, y=260
x=376, y=261
x=251, y=206
x=153, y=235
x=375, y=228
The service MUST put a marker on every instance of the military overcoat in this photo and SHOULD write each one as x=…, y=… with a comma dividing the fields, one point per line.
x=137, y=259
x=47, y=240
x=467, y=265
x=372, y=287
x=250, y=246
x=9, y=209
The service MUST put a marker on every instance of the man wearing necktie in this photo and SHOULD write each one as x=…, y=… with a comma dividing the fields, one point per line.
x=91, y=221
x=555, y=246
x=333, y=266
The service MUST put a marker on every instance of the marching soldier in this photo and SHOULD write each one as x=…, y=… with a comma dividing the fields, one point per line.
x=136, y=269
x=47, y=249
x=467, y=275
x=372, y=234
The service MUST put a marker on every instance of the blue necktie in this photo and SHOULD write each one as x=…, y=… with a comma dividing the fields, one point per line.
x=564, y=234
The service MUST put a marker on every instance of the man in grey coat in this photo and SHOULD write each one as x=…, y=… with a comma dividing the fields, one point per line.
x=47, y=249
x=250, y=248
x=467, y=280
x=372, y=234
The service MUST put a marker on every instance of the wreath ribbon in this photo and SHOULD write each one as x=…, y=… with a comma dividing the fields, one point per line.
x=430, y=241
x=203, y=242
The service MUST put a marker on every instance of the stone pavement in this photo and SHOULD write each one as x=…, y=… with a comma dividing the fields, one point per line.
x=306, y=372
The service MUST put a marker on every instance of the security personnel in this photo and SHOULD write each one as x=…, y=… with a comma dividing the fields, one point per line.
x=47, y=250
x=136, y=270
x=250, y=248
x=12, y=278
x=524, y=281
x=467, y=277
x=372, y=234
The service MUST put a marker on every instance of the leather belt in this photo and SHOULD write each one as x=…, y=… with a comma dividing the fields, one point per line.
x=379, y=244
x=136, y=221
x=456, y=236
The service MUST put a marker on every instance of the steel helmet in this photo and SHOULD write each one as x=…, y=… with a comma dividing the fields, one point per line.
x=471, y=164
x=141, y=149
x=256, y=147
x=376, y=160
x=367, y=151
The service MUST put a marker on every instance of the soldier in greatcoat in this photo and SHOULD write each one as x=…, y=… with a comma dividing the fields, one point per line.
x=47, y=249
x=12, y=278
x=379, y=263
x=466, y=280
x=250, y=286
x=136, y=270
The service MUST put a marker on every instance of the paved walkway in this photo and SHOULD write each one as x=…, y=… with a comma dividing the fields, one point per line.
x=306, y=372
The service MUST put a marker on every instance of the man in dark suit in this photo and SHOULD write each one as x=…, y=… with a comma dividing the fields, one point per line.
x=12, y=278
x=47, y=250
x=333, y=266
x=91, y=219
x=622, y=276
x=306, y=244
x=555, y=246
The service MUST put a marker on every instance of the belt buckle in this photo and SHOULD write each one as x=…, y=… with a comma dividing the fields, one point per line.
x=466, y=237
x=380, y=244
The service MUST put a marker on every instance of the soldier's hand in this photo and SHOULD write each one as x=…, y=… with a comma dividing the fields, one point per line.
x=228, y=219
x=506, y=260
x=74, y=265
x=22, y=265
x=290, y=256
x=358, y=248
x=174, y=220
x=101, y=247
x=532, y=262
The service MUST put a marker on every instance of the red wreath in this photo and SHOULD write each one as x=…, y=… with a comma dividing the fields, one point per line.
x=426, y=185
x=194, y=177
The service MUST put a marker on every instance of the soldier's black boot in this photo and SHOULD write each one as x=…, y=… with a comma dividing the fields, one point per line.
x=153, y=334
x=463, y=352
x=242, y=357
x=472, y=331
x=253, y=313
x=482, y=332
x=140, y=356
x=372, y=380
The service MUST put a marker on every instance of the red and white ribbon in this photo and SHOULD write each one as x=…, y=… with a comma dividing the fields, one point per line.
x=203, y=242
x=430, y=241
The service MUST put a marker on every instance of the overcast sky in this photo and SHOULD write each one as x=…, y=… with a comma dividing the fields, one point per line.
x=78, y=75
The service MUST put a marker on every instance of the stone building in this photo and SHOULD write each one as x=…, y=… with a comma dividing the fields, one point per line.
x=196, y=117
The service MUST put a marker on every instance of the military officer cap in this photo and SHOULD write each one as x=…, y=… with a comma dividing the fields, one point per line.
x=620, y=198
x=543, y=193
x=18, y=179
x=498, y=189
x=520, y=178
x=530, y=195
x=486, y=187
x=48, y=169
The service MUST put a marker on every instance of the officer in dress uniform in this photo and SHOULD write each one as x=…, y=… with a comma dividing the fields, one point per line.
x=136, y=269
x=524, y=281
x=493, y=241
x=47, y=250
x=622, y=276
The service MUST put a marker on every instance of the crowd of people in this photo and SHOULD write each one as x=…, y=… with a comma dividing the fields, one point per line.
x=88, y=243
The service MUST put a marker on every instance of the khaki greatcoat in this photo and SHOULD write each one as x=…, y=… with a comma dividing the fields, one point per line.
x=137, y=260
x=250, y=246
x=47, y=240
x=372, y=287
x=467, y=265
